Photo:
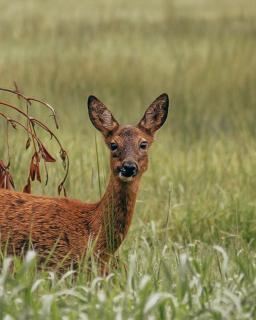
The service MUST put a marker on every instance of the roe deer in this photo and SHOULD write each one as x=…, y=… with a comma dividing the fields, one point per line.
x=68, y=225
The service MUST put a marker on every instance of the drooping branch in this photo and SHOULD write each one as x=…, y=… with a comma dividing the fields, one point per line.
x=40, y=151
x=29, y=100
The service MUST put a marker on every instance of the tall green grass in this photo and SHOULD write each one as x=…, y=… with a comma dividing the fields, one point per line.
x=201, y=264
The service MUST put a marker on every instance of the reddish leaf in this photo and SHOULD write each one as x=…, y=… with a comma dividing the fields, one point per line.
x=9, y=182
x=38, y=177
x=6, y=180
x=46, y=155
x=2, y=166
x=34, y=167
x=36, y=157
x=2, y=180
x=27, y=188
x=32, y=171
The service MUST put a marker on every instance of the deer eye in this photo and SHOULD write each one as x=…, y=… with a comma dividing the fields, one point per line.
x=113, y=146
x=143, y=145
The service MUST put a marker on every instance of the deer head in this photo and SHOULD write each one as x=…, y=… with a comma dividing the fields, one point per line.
x=128, y=144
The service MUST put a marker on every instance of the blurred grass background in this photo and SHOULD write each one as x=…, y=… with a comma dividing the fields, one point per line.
x=202, y=53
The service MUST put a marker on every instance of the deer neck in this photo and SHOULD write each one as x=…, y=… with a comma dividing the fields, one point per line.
x=116, y=209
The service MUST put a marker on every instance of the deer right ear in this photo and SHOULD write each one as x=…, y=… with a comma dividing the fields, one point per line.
x=155, y=115
x=101, y=117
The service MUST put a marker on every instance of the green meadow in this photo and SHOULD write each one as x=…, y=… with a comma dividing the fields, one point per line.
x=191, y=250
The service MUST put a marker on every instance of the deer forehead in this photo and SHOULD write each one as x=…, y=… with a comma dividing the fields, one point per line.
x=129, y=135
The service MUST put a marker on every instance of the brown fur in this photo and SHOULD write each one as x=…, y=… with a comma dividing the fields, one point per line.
x=68, y=225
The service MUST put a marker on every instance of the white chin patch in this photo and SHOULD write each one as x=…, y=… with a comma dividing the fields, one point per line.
x=123, y=178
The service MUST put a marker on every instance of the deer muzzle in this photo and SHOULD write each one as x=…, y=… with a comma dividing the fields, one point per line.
x=129, y=169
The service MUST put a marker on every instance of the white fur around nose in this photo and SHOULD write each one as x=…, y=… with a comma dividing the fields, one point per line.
x=125, y=179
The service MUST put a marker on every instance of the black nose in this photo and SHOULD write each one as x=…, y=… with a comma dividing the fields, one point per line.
x=129, y=169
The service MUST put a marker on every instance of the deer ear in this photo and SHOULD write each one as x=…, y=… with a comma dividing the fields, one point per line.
x=155, y=115
x=101, y=117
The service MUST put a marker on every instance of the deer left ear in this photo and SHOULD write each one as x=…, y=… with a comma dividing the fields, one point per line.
x=155, y=115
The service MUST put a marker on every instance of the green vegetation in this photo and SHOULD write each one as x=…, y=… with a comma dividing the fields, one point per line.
x=201, y=264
